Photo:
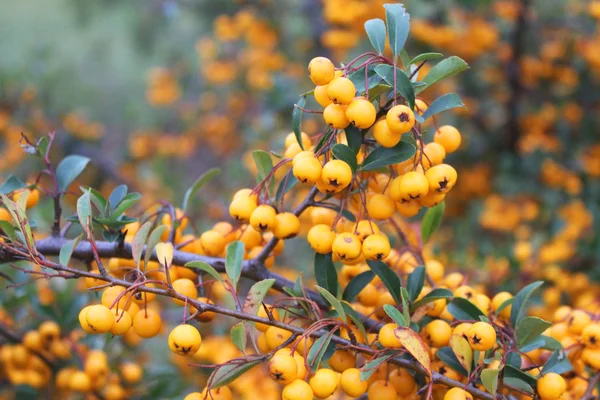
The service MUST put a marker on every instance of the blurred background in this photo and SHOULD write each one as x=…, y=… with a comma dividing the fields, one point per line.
x=157, y=92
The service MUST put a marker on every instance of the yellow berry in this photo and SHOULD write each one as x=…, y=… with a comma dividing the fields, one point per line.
x=481, y=336
x=321, y=237
x=400, y=119
x=351, y=384
x=341, y=91
x=283, y=368
x=324, y=383
x=449, y=137
x=185, y=340
x=263, y=218
x=321, y=70
x=287, y=226
x=551, y=386
x=361, y=113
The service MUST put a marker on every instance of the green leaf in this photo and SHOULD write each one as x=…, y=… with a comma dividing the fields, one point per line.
x=11, y=184
x=317, y=351
x=357, y=284
x=529, y=329
x=365, y=81
x=97, y=199
x=8, y=229
x=463, y=309
x=435, y=294
x=84, y=212
x=558, y=363
x=443, y=103
x=355, y=317
x=405, y=309
x=354, y=138
x=520, y=301
x=383, y=157
x=415, y=282
x=375, y=29
x=447, y=356
x=69, y=169
x=345, y=154
x=153, y=240
x=504, y=304
x=286, y=184
x=396, y=315
x=518, y=379
x=444, y=69
x=206, y=268
x=227, y=373
x=116, y=196
x=22, y=201
x=425, y=57
x=197, y=185
x=264, y=165
x=542, y=342
x=388, y=277
x=489, y=378
x=405, y=60
x=403, y=85
x=233, y=261
x=324, y=139
x=67, y=250
x=239, y=337
x=432, y=220
x=297, y=120
x=398, y=25
x=125, y=204
x=325, y=272
x=335, y=303
x=256, y=295
x=369, y=368
x=139, y=241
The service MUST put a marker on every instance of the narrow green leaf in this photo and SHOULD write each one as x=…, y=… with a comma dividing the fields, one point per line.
x=504, y=304
x=117, y=195
x=67, y=250
x=335, y=303
x=206, y=268
x=297, y=120
x=233, y=261
x=435, y=294
x=375, y=29
x=324, y=139
x=197, y=185
x=286, y=184
x=518, y=379
x=354, y=138
x=396, y=315
x=264, y=164
x=256, y=295
x=398, y=25
x=529, y=329
x=558, y=363
x=317, y=351
x=447, y=356
x=369, y=368
x=425, y=57
x=346, y=154
x=403, y=85
x=383, y=157
x=365, y=81
x=432, y=221
x=139, y=241
x=357, y=284
x=405, y=60
x=22, y=201
x=443, y=103
x=42, y=146
x=542, y=342
x=388, y=277
x=444, y=69
x=520, y=302
x=84, y=212
x=325, y=273
x=405, y=309
x=8, y=229
x=11, y=184
x=227, y=373
x=97, y=199
x=355, y=317
x=125, y=204
x=489, y=378
x=239, y=337
x=415, y=282
x=69, y=169
x=463, y=309
x=153, y=240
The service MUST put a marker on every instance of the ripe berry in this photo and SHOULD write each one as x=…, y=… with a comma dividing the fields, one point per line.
x=400, y=119
x=321, y=237
x=457, y=393
x=263, y=218
x=82, y=320
x=403, y=382
x=337, y=174
x=433, y=154
x=185, y=287
x=80, y=382
x=147, y=323
x=321, y=96
x=351, y=384
x=361, y=113
x=220, y=393
x=412, y=185
x=365, y=228
x=551, y=386
x=290, y=140
x=376, y=247
x=185, y=340
x=408, y=208
x=131, y=372
x=297, y=390
x=99, y=318
x=324, y=383
x=437, y=333
x=335, y=116
x=342, y=360
x=381, y=390
x=283, y=368
x=432, y=199
x=307, y=169
x=49, y=331
x=347, y=246
x=441, y=178
x=387, y=338
x=482, y=336
x=590, y=336
x=449, y=137
x=380, y=207
x=122, y=322
x=241, y=208
x=276, y=336
x=383, y=134
x=287, y=226
x=498, y=300
x=212, y=243
x=341, y=91
x=32, y=199
x=421, y=106
x=321, y=70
